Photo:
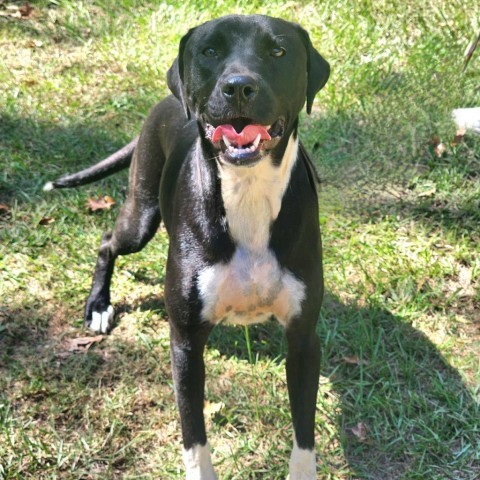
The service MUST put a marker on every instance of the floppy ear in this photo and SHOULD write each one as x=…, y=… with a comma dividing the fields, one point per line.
x=175, y=75
x=318, y=70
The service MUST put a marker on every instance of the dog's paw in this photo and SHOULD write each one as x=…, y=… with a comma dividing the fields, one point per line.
x=302, y=464
x=302, y=476
x=102, y=322
x=198, y=463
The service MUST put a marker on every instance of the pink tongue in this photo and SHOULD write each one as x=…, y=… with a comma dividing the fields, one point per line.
x=246, y=136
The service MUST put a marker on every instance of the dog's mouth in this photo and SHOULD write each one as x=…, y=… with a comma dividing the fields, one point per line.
x=243, y=142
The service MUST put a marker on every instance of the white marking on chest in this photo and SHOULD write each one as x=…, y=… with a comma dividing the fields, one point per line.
x=252, y=286
x=252, y=197
x=249, y=289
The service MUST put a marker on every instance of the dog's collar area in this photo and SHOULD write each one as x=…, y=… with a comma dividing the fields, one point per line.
x=242, y=142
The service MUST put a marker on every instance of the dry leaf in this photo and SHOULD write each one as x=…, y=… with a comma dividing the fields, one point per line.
x=438, y=146
x=440, y=149
x=360, y=431
x=459, y=137
x=35, y=43
x=101, y=203
x=26, y=10
x=355, y=360
x=4, y=210
x=46, y=221
x=84, y=343
x=428, y=193
x=211, y=409
x=23, y=12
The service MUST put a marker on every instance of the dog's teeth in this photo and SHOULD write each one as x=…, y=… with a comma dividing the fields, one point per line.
x=227, y=142
x=257, y=141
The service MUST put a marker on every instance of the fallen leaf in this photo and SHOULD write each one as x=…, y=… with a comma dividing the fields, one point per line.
x=26, y=10
x=82, y=344
x=355, y=360
x=23, y=12
x=458, y=137
x=440, y=149
x=4, y=210
x=210, y=409
x=360, y=431
x=438, y=146
x=428, y=193
x=35, y=43
x=100, y=203
x=46, y=221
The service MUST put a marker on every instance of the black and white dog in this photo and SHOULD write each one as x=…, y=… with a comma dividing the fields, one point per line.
x=221, y=164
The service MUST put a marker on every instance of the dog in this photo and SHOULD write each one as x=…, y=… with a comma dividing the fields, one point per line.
x=220, y=162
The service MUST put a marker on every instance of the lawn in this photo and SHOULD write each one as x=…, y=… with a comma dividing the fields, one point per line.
x=400, y=216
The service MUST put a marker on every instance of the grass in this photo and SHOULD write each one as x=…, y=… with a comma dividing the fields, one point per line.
x=400, y=325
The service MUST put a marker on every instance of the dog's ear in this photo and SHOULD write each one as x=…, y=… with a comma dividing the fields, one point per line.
x=318, y=70
x=175, y=75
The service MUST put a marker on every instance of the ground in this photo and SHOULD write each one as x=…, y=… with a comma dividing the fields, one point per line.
x=399, y=210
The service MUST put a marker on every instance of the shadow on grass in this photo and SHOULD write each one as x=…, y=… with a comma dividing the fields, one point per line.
x=417, y=413
x=54, y=398
x=418, y=416
x=463, y=216
x=36, y=151
x=385, y=164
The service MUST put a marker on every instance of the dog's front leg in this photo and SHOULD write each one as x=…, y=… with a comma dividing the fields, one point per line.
x=187, y=347
x=303, y=370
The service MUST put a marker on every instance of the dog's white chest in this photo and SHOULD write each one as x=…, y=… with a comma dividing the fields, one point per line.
x=252, y=197
x=251, y=288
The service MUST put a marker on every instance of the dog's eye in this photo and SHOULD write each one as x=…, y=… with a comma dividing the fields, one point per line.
x=210, y=52
x=278, y=52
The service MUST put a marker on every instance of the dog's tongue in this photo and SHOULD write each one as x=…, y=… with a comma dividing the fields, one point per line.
x=246, y=136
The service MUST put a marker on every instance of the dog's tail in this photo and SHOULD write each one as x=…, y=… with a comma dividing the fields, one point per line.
x=112, y=164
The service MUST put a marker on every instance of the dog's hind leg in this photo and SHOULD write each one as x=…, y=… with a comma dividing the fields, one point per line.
x=134, y=228
x=136, y=224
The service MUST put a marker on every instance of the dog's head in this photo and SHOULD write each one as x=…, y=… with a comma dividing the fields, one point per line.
x=245, y=79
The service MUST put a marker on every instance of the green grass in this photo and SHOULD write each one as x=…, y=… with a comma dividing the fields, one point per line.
x=399, y=326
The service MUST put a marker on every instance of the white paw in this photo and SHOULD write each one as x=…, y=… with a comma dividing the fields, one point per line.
x=198, y=463
x=102, y=321
x=302, y=464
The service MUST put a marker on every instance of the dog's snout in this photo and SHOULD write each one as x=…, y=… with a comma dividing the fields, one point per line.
x=240, y=88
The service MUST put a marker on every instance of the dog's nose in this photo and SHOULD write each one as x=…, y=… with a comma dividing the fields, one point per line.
x=240, y=88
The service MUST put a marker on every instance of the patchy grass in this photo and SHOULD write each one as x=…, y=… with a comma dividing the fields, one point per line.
x=400, y=325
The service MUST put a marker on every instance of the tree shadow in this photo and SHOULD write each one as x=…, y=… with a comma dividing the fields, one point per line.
x=401, y=407
x=57, y=393
x=37, y=151
x=413, y=407
x=396, y=174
